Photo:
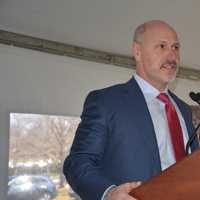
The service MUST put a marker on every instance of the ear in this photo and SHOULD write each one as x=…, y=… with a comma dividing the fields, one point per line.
x=136, y=50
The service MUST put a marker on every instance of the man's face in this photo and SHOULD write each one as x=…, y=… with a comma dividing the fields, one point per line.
x=157, y=55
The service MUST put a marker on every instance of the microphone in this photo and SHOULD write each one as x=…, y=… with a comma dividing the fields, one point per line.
x=195, y=96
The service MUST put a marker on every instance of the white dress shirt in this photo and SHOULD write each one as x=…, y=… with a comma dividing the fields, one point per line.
x=160, y=123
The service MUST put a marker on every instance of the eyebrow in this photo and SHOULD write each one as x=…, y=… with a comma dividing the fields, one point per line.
x=175, y=43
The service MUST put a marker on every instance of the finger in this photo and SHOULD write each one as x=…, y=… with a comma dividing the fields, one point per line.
x=129, y=186
x=136, y=184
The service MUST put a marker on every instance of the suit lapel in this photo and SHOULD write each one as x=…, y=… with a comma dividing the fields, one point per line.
x=142, y=119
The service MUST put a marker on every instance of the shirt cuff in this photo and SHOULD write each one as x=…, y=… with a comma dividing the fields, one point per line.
x=105, y=194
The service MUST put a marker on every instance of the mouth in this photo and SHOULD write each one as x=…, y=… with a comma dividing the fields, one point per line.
x=169, y=65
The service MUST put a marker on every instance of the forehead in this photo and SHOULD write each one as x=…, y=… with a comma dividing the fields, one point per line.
x=160, y=32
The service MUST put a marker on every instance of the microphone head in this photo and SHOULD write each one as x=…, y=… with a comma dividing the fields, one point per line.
x=195, y=96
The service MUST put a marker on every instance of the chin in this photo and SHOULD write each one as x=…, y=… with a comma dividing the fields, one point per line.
x=169, y=80
x=170, y=77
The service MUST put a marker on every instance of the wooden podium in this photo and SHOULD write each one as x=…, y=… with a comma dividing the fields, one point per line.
x=181, y=181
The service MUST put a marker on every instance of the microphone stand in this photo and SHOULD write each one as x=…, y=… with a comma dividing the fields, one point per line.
x=191, y=139
x=195, y=97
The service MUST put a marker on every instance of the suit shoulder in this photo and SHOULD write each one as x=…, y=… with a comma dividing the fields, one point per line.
x=106, y=97
x=111, y=90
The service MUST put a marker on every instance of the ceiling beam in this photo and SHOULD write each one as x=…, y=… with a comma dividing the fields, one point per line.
x=58, y=48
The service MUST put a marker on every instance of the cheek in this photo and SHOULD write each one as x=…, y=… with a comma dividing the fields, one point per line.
x=147, y=59
x=152, y=61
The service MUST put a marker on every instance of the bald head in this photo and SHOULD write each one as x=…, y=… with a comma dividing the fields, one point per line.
x=156, y=51
x=141, y=29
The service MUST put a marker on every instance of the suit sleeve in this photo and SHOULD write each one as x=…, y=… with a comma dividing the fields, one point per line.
x=83, y=167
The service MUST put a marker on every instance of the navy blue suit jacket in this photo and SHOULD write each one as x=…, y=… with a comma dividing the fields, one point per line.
x=115, y=141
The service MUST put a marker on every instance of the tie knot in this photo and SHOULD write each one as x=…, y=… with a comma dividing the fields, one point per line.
x=164, y=98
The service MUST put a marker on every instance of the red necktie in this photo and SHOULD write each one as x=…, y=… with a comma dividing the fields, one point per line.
x=174, y=127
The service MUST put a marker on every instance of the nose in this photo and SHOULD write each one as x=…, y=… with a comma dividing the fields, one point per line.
x=173, y=54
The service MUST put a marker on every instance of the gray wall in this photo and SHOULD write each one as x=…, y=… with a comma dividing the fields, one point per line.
x=35, y=82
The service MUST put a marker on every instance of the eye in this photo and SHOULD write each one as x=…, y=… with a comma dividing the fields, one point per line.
x=162, y=46
x=177, y=47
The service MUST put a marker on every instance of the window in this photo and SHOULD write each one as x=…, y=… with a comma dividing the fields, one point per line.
x=38, y=146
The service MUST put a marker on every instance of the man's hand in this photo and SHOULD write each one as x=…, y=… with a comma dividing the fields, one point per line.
x=121, y=192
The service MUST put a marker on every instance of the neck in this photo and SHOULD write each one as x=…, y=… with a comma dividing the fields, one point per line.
x=159, y=87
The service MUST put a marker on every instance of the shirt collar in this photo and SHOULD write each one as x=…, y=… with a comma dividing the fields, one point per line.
x=147, y=89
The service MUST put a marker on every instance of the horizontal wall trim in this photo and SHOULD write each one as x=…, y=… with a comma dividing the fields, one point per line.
x=58, y=48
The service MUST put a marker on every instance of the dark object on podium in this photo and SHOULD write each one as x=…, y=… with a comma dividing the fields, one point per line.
x=179, y=182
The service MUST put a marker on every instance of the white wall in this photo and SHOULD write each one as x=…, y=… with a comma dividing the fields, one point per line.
x=36, y=82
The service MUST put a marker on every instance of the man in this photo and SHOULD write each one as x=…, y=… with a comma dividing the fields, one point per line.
x=124, y=137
